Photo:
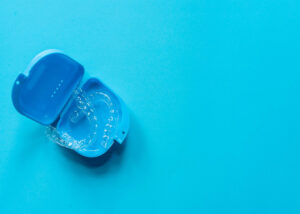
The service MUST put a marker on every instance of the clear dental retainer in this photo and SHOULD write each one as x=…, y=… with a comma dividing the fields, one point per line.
x=80, y=113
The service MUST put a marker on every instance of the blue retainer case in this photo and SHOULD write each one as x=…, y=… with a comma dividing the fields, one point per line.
x=80, y=113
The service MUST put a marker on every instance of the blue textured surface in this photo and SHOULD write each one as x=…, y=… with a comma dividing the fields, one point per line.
x=213, y=90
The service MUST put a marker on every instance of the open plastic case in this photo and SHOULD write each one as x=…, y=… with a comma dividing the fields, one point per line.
x=81, y=113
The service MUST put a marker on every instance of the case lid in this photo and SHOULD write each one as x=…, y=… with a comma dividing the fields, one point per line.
x=42, y=91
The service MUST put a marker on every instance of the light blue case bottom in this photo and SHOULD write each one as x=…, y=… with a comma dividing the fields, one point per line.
x=92, y=121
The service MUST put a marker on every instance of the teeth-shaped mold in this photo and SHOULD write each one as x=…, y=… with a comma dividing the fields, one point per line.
x=112, y=116
x=85, y=108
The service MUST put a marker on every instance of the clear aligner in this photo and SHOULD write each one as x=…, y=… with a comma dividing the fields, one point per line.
x=111, y=119
x=85, y=108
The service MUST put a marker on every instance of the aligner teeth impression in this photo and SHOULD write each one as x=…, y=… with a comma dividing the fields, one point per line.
x=85, y=107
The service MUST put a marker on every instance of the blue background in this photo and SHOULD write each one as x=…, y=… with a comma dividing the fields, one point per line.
x=213, y=90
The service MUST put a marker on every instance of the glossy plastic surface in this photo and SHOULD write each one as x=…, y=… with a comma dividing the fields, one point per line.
x=86, y=116
x=42, y=91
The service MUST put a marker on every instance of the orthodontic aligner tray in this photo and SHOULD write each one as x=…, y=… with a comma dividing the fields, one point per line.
x=80, y=113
